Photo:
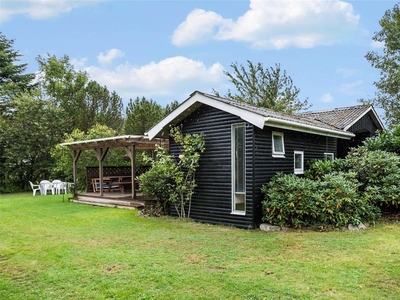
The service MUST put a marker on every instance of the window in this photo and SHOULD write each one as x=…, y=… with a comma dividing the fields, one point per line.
x=298, y=162
x=278, y=146
x=329, y=156
x=238, y=137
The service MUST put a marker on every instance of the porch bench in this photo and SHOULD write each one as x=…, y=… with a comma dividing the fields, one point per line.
x=108, y=185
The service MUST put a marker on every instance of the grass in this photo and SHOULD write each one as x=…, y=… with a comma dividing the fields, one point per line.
x=50, y=249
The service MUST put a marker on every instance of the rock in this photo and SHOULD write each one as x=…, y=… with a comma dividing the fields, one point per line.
x=360, y=226
x=269, y=227
x=352, y=227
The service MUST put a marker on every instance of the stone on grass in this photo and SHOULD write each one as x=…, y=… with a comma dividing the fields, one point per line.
x=269, y=227
x=360, y=226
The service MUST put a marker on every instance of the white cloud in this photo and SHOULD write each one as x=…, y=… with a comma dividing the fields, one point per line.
x=346, y=72
x=110, y=56
x=326, y=98
x=351, y=88
x=40, y=9
x=199, y=26
x=272, y=24
x=377, y=45
x=172, y=75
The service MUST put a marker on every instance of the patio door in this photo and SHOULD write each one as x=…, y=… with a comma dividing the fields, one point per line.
x=238, y=148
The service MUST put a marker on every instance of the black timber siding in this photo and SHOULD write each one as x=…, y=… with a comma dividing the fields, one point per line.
x=365, y=124
x=212, y=200
x=266, y=166
x=363, y=129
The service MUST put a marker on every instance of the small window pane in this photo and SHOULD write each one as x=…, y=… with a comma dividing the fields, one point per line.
x=278, y=144
x=298, y=162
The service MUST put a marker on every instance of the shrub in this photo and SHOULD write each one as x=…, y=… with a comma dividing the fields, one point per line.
x=158, y=181
x=289, y=200
x=173, y=180
x=295, y=201
x=318, y=168
x=385, y=141
x=379, y=173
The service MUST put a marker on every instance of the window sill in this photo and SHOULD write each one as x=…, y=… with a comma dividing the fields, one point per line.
x=298, y=172
x=239, y=213
x=278, y=155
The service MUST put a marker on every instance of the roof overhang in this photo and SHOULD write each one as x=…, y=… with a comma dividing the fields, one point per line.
x=198, y=99
x=285, y=124
x=140, y=142
x=194, y=102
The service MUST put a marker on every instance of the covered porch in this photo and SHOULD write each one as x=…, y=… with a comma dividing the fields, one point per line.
x=118, y=188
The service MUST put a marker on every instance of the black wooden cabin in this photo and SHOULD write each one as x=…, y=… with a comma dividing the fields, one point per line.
x=245, y=147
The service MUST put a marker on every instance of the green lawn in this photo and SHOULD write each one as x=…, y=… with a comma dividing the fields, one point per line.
x=50, y=249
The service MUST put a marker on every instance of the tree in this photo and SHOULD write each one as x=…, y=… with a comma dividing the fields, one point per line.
x=388, y=62
x=141, y=115
x=268, y=88
x=85, y=101
x=12, y=79
x=28, y=130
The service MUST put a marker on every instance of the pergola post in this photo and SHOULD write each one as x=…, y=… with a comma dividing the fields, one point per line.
x=100, y=154
x=77, y=153
x=131, y=152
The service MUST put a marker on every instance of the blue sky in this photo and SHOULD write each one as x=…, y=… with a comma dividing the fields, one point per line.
x=165, y=50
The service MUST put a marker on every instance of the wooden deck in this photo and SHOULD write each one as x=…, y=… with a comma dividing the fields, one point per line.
x=114, y=199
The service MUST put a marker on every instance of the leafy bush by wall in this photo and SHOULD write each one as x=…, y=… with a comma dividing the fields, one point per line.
x=386, y=141
x=295, y=201
x=379, y=173
x=318, y=168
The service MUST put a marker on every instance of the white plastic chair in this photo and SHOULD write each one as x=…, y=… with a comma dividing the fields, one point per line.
x=35, y=187
x=58, y=187
x=45, y=186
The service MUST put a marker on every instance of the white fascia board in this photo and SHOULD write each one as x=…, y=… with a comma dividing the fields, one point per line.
x=284, y=124
x=367, y=111
x=251, y=117
x=121, y=137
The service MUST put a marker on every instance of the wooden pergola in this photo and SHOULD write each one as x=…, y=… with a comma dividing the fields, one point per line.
x=130, y=143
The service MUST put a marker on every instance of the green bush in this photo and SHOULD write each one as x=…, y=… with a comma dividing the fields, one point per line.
x=172, y=179
x=385, y=141
x=379, y=173
x=318, y=168
x=296, y=202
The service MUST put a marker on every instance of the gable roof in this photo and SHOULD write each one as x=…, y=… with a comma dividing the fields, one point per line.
x=257, y=116
x=345, y=117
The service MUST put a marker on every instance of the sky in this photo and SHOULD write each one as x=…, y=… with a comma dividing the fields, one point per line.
x=165, y=50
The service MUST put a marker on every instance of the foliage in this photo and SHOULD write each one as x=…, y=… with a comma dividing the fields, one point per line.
x=173, y=179
x=268, y=88
x=12, y=79
x=295, y=201
x=141, y=115
x=28, y=131
x=159, y=180
x=63, y=157
x=379, y=173
x=86, y=102
x=388, y=95
x=318, y=168
x=386, y=141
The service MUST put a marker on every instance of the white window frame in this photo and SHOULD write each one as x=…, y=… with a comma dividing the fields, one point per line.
x=276, y=153
x=298, y=170
x=236, y=195
x=329, y=154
